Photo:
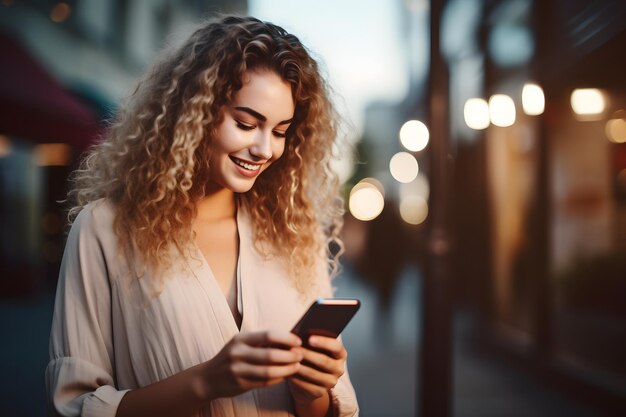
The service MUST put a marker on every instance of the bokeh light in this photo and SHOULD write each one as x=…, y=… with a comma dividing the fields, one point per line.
x=476, y=113
x=372, y=181
x=533, y=99
x=414, y=135
x=366, y=201
x=419, y=186
x=52, y=154
x=60, y=12
x=616, y=130
x=5, y=146
x=501, y=110
x=588, y=102
x=403, y=167
x=413, y=209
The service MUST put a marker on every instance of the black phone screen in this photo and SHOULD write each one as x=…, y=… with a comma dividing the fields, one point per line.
x=326, y=317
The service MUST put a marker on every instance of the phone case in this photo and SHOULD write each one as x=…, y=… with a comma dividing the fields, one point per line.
x=326, y=317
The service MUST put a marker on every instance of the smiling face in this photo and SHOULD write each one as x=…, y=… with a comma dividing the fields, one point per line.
x=251, y=135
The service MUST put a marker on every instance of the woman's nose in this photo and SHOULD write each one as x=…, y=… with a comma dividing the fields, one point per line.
x=262, y=147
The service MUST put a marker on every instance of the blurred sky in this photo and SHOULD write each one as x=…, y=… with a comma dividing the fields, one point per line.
x=360, y=42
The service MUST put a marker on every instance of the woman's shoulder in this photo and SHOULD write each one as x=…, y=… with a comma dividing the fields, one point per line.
x=96, y=217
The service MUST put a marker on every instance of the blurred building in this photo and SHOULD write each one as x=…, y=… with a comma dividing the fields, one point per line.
x=539, y=205
x=65, y=65
x=536, y=114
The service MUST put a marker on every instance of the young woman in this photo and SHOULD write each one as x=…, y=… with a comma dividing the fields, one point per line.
x=200, y=235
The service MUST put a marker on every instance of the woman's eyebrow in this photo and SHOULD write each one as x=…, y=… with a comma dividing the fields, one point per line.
x=259, y=116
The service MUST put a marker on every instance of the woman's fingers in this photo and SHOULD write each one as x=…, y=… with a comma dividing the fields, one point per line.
x=265, y=373
x=320, y=368
x=307, y=389
x=321, y=362
x=271, y=338
x=251, y=360
x=267, y=348
x=331, y=346
x=266, y=355
x=316, y=376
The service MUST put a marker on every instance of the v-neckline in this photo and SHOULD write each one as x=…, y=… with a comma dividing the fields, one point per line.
x=214, y=290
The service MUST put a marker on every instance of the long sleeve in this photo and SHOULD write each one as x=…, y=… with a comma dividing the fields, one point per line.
x=80, y=375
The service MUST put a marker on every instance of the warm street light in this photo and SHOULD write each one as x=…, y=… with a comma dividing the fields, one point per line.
x=476, y=113
x=588, y=102
x=413, y=209
x=52, y=154
x=366, y=201
x=414, y=135
x=616, y=130
x=501, y=110
x=419, y=186
x=533, y=99
x=403, y=167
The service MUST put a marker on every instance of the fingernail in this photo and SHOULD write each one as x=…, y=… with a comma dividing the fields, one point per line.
x=313, y=340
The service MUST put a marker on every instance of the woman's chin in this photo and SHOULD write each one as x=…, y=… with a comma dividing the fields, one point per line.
x=241, y=187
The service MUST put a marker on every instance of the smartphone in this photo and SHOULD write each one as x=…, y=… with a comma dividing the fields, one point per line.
x=326, y=317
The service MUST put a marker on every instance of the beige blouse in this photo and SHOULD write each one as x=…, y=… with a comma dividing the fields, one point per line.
x=111, y=334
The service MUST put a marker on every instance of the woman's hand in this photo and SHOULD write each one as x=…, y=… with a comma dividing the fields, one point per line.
x=252, y=360
x=320, y=370
x=248, y=361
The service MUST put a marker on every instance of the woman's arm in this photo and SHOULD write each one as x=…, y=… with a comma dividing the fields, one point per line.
x=80, y=375
x=246, y=362
x=179, y=395
x=319, y=407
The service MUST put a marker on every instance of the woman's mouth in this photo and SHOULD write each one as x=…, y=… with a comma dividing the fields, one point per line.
x=245, y=167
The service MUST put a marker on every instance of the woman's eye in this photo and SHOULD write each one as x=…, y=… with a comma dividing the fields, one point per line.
x=279, y=134
x=244, y=126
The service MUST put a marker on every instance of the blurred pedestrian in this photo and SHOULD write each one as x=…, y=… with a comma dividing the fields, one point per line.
x=385, y=254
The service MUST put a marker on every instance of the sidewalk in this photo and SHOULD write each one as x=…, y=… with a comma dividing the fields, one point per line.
x=384, y=365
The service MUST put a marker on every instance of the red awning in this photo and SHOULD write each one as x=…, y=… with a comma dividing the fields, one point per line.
x=34, y=106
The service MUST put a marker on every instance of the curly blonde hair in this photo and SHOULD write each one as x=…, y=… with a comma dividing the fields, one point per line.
x=153, y=162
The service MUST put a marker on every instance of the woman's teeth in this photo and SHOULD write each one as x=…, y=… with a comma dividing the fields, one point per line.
x=250, y=167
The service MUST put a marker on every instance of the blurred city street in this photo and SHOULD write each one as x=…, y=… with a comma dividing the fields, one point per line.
x=482, y=164
x=383, y=363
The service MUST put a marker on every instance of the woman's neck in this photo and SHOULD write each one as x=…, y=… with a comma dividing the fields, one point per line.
x=216, y=205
